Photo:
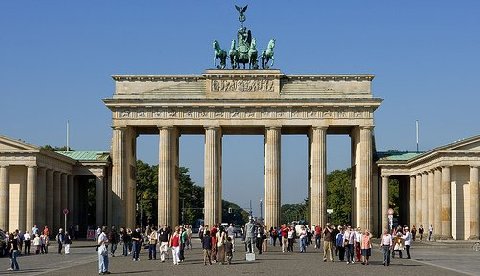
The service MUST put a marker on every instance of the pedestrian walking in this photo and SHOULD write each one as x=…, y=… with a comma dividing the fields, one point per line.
x=408, y=241
x=113, y=239
x=163, y=236
x=340, y=244
x=102, y=243
x=37, y=243
x=366, y=246
x=430, y=232
x=60, y=238
x=67, y=242
x=386, y=245
x=13, y=251
x=207, y=248
x=349, y=242
x=327, y=243
x=229, y=250
x=174, y=243
x=414, y=232
x=137, y=244
x=27, y=241
x=152, y=244
x=420, y=232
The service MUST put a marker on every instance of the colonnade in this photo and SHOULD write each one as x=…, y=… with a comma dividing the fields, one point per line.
x=430, y=201
x=168, y=199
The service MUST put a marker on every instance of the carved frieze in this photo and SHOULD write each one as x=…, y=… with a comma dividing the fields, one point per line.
x=252, y=85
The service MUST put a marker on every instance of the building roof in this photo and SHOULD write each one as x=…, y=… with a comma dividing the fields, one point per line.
x=86, y=155
x=397, y=155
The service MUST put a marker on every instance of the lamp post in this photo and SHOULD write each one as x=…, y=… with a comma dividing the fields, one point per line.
x=261, y=209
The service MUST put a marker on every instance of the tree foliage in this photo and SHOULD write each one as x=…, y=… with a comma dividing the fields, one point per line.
x=55, y=148
x=339, y=195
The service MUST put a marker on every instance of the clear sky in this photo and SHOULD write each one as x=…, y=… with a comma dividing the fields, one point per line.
x=56, y=59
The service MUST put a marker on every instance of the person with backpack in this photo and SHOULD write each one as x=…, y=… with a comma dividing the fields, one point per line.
x=60, y=238
x=113, y=239
x=339, y=243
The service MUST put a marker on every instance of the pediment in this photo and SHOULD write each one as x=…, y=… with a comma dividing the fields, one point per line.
x=468, y=144
x=9, y=144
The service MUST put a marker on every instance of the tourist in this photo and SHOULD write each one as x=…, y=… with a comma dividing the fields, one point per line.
x=113, y=239
x=260, y=234
x=386, y=245
x=366, y=246
x=152, y=244
x=265, y=238
x=317, y=235
x=43, y=244
x=430, y=232
x=398, y=244
x=340, y=244
x=137, y=244
x=290, y=239
x=231, y=234
x=407, y=237
x=349, y=241
x=12, y=248
x=37, y=243
x=207, y=248
x=327, y=243
x=163, y=236
x=284, y=235
x=27, y=240
x=67, y=242
x=60, y=238
x=35, y=230
x=183, y=240
x=102, y=243
x=174, y=243
x=221, y=238
x=229, y=250
x=303, y=239
x=420, y=232
x=213, y=236
x=358, y=250
x=414, y=232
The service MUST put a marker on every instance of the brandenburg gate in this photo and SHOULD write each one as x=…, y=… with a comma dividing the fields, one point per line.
x=260, y=102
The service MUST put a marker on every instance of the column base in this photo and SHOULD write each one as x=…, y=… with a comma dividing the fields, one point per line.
x=473, y=237
x=443, y=237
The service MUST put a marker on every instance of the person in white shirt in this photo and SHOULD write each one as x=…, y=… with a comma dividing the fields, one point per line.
x=28, y=242
x=349, y=241
x=386, y=245
x=408, y=240
x=102, y=242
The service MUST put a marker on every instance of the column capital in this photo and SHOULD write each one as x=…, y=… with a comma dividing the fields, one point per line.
x=385, y=176
x=119, y=127
x=320, y=127
x=4, y=166
x=211, y=127
x=165, y=127
x=445, y=167
x=367, y=127
x=273, y=127
x=32, y=166
x=474, y=167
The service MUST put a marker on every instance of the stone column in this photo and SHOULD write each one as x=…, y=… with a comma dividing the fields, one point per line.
x=437, y=198
x=41, y=211
x=22, y=205
x=273, y=136
x=474, y=219
x=318, y=176
x=99, y=200
x=430, y=199
x=4, y=198
x=446, y=204
x=118, y=176
x=70, y=199
x=31, y=196
x=175, y=206
x=64, y=200
x=418, y=200
x=165, y=177
x=412, y=201
x=213, y=144
x=424, y=221
x=57, y=211
x=366, y=159
x=385, y=204
x=49, y=199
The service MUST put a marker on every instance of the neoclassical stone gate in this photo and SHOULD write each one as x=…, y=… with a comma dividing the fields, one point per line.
x=223, y=102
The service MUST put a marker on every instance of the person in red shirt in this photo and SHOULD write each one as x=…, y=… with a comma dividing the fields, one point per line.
x=318, y=236
x=284, y=237
x=175, y=245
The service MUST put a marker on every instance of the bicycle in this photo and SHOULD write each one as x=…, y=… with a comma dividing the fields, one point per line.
x=476, y=246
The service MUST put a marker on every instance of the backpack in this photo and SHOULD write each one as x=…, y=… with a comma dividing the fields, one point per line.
x=339, y=240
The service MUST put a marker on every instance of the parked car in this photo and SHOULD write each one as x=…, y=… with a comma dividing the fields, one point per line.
x=3, y=243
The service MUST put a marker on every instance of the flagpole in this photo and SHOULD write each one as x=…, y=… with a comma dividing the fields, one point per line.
x=416, y=126
x=68, y=135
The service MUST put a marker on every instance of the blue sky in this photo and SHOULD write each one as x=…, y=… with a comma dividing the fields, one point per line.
x=56, y=59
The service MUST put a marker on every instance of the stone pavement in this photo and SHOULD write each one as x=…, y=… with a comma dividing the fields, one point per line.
x=83, y=261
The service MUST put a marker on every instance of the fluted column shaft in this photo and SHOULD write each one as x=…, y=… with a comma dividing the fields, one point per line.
x=57, y=211
x=4, y=198
x=446, y=203
x=273, y=137
x=99, y=191
x=412, y=201
x=424, y=221
x=49, y=199
x=118, y=176
x=41, y=195
x=431, y=209
x=318, y=176
x=366, y=159
x=385, y=204
x=474, y=219
x=418, y=200
x=64, y=186
x=437, y=198
x=70, y=199
x=31, y=196
x=165, y=177
x=213, y=202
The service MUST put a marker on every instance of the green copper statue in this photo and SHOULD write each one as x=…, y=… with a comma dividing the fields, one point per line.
x=219, y=54
x=267, y=54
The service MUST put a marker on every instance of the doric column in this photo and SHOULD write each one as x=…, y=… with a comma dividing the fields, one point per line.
x=31, y=196
x=64, y=200
x=40, y=209
x=412, y=201
x=4, y=198
x=273, y=150
x=212, y=174
x=70, y=199
x=430, y=198
x=424, y=221
x=49, y=199
x=446, y=204
x=418, y=199
x=57, y=199
x=318, y=176
x=99, y=191
x=118, y=176
x=366, y=159
x=385, y=204
x=437, y=198
x=22, y=205
x=165, y=176
x=474, y=219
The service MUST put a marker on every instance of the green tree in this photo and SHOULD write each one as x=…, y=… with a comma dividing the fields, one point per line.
x=55, y=148
x=393, y=195
x=339, y=195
